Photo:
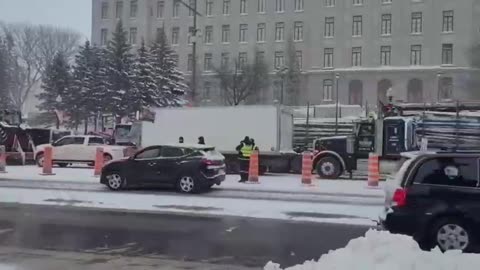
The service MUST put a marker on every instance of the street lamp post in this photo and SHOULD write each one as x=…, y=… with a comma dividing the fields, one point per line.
x=436, y=86
x=337, y=77
x=194, y=46
x=282, y=73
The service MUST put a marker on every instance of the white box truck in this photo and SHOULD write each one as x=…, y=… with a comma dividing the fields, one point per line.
x=224, y=127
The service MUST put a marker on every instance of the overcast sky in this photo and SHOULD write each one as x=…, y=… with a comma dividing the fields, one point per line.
x=74, y=14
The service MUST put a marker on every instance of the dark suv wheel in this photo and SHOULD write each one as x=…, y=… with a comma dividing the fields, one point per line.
x=452, y=234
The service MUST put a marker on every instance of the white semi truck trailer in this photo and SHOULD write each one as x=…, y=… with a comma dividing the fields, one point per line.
x=224, y=127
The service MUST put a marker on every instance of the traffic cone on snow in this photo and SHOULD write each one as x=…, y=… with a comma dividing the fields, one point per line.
x=373, y=170
x=253, y=169
x=3, y=159
x=98, y=162
x=307, y=164
x=47, y=161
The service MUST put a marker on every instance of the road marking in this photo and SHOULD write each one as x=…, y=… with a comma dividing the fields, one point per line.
x=6, y=230
x=231, y=229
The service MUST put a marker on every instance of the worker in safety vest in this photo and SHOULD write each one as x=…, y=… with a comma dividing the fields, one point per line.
x=245, y=149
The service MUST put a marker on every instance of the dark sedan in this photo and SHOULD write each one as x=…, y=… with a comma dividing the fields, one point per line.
x=188, y=168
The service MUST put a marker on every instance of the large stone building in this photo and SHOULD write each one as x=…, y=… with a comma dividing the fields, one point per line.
x=419, y=48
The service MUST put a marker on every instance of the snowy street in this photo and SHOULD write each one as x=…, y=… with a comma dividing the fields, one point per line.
x=108, y=236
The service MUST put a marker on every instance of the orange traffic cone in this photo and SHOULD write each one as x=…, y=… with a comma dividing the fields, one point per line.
x=253, y=169
x=47, y=161
x=307, y=164
x=3, y=159
x=373, y=170
x=98, y=162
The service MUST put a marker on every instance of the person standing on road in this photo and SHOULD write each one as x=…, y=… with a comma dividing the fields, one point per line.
x=245, y=149
x=201, y=140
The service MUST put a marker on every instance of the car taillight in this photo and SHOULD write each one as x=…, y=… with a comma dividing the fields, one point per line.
x=400, y=197
x=208, y=162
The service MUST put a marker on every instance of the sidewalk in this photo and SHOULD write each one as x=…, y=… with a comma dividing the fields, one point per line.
x=272, y=183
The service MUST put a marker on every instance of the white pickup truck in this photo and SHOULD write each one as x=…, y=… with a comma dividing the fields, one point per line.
x=79, y=149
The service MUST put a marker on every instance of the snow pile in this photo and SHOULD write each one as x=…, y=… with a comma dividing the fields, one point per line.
x=380, y=250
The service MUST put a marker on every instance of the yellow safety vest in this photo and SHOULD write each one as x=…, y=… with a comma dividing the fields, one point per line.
x=246, y=151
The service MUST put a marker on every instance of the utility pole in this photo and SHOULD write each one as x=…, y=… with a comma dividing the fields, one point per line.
x=194, y=47
x=337, y=77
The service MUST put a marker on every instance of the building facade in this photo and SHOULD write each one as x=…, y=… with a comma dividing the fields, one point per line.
x=418, y=48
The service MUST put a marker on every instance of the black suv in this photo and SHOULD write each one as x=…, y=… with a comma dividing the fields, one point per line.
x=189, y=168
x=435, y=197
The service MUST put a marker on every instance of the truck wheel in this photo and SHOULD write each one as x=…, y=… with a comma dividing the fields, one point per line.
x=329, y=168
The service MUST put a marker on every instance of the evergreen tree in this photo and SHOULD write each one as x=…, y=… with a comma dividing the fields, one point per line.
x=79, y=100
x=3, y=75
x=118, y=64
x=56, y=85
x=144, y=91
x=171, y=86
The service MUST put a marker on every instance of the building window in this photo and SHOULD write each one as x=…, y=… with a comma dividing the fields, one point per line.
x=445, y=88
x=190, y=35
x=416, y=55
x=356, y=56
x=176, y=9
x=357, y=2
x=447, y=54
x=279, y=60
x=207, y=87
x=385, y=55
x=329, y=3
x=327, y=90
x=357, y=26
x=261, y=6
x=225, y=59
x=160, y=8
x=243, y=6
x=133, y=8
x=119, y=9
x=298, y=31
x=386, y=24
x=225, y=33
x=104, y=10
x=209, y=7
x=103, y=37
x=447, y=21
x=243, y=33
x=242, y=60
x=190, y=62
x=175, y=33
x=329, y=27
x=328, y=57
x=209, y=34
x=226, y=7
x=260, y=57
x=133, y=35
x=191, y=12
x=279, y=31
x=299, y=59
x=261, y=32
x=279, y=5
x=207, y=63
x=416, y=23
x=298, y=5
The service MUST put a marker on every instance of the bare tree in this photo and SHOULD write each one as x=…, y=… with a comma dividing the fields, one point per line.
x=32, y=48
x=292, y=75
x=242, y=81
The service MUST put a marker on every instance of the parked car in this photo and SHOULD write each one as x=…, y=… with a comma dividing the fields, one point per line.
x=188, y=168
x=79, y=149
x=435, y=197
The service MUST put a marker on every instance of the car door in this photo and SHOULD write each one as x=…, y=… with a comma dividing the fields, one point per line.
x=169, y=165
x=90, y=150
x=143, y=169
x=65, y=148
